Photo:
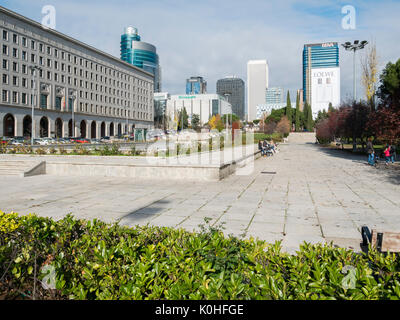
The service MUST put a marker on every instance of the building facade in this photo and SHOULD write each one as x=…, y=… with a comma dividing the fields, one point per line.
x=233, y=89
x=274, y=95
x=78, y=91
x=204, y=105
x=141, y=54
x=321, y=75
x=257, y=83
x=160, y=109
x=196, y=85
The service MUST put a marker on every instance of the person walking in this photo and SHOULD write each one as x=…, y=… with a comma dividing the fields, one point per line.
x=371, y=152
x=386, y=152
x=393, y=153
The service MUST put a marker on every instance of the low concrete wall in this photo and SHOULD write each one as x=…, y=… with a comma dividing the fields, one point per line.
x=133, y=171
x=36, y=170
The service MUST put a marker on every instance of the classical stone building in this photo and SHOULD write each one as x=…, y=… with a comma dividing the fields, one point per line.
x=72, y=82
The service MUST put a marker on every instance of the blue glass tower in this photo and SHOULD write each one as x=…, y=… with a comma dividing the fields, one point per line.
x=320, y=55
x=141, y=54
x=196, y=85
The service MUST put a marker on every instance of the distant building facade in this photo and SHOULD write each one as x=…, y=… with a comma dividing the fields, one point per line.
x=196, y=85
x=204, y=105
x=321, y=75
x=160, y=108
x=106, y=95
x=233, y=89
x=274, y=95
x=257, y=83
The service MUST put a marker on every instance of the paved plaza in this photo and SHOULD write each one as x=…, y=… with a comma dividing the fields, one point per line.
x=303, y=193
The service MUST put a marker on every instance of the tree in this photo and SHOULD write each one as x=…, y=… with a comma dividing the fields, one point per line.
x=322, y=115
x=216, y=122
x=276, y=115
x=297, y=121
x=324, y=133
x=308, y=120
x=385, y=121
x=389, y=90
x=283, y=127
x=231, y=118
x=369, y=73
x=385, y=124
x=183, y=115
x=195, y=122
x=269, y=127
x=288, y=111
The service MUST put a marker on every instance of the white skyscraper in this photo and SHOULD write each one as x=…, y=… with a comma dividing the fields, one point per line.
x=257, y=83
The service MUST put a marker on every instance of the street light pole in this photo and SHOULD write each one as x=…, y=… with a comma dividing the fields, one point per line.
x=357, y=45
x=33, y=69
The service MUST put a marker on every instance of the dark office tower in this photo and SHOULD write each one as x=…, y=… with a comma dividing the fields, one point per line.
x=196, y=85
x=233, y=89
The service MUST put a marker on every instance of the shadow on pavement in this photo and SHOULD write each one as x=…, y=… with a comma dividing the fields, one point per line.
x=390, y=173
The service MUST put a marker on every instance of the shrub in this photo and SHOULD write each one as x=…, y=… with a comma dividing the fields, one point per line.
x=95, y=260
x=62, y=150
x=13, y=150
x=283, y=126
x=115, y=149
x=41, y=151
x=132, y=151
x=53, y=150
x=105, y=151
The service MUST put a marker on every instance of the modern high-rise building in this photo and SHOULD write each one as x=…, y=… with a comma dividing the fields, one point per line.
x=141, y=54
x=321, y=75
x=233, y=89
x=274, y=95
x=257, y=83
x=196, y=85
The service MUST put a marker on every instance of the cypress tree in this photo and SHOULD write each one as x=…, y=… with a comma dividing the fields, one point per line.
x=305, y=115
x=297, y=122
x=289, y=109
x=309, y=119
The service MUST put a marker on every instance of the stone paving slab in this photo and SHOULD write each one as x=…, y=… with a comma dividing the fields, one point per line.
x=315, y=195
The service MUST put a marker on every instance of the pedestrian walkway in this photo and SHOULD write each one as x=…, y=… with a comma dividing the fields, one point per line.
x=303, y=193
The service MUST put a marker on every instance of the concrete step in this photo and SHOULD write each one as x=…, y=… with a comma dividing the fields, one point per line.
x=15, y=167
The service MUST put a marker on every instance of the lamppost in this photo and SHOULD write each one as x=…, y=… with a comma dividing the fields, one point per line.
x=357, y=45
x=73, y=96
x=33, y=69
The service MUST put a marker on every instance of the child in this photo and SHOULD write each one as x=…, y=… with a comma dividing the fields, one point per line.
x=371, y=152
x=386, y=152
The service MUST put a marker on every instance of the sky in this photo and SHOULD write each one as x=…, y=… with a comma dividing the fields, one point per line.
x=215, y=39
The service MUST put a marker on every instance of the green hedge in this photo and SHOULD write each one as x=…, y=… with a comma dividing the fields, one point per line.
x=95, y=260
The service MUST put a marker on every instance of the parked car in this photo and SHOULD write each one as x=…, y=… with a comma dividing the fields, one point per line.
x=82, y=140
x=62, y=140
x=41, y=141
x=95, y=141
x=67, y=139
x=49, y=140
x=15, y=142
x=105, y=139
